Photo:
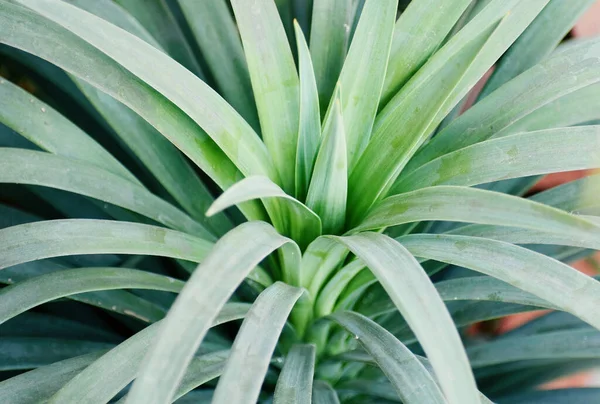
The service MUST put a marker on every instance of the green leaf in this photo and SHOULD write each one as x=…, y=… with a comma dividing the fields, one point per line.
x=25, y=295
x=323, y=393
x=331, y=19
x=537, y=41
x=38, y=168
x=157, y=18
x=560, y=75
x=108, y=375
x=524, y=154
x=50, y=131
x=556, y=396
x=309, y=131
x=117, y=15
x=431, y=323
x=216, y=33
x=170, y=79
x=33, y=241
x=558, y=283
x=290, y=216
x=363, y=73
x=474, y=288
x=254, y=345
x=462, y=204
x=295, y=383
x=37, y=385
x=422, y=104
x=410, y=379
x=335, y=286
x=118, y=301
x=17, y=353
x=274, y=81
x=418, y=33
x=26, y=30
x=329, y=183
x=574, y=108
x=570, y=344
x=161, y=157
x=229, y=262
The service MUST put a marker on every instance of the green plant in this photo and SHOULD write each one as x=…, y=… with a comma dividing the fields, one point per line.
x=357, y=202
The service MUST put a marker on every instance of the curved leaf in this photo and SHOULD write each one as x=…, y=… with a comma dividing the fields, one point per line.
x=431, y=322
x=418, y=33
x=570, y=344
x=38, y=168
x=254, y=345
x=274, y=81
x=25, y=295
x=17, y=353
x=558, y=283
x=323, y=393
x=462, y=204
x=157, y=18
x=212, y=24
x=49, y=130
x=363, y=72
x=422, y=104
x=559, y=396
x=37, y=385
x=331, y=19
x=537, y=41
x=295, y=383
x=229, y=262
x=170, y=79
x=34, y=241
x=301, y=223
x=532, y=153
x=560, y=75
x=108, y=375
x=413, y=383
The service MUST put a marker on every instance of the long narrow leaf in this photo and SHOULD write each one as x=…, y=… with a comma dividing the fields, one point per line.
x=27, y=30
x=309, y=131
x=462, y=204
x=295, y=383
x=331, y=19
x=560, y=75
x=230, y=261
x=37, y=385
x=216, y=33
x=254, y=345
x=104, y=378
x=44, y=169
x=418, y=33
x=157, y=18
x=430, y=95
x=174, y=82
x=532, y=153
x=24, y=295
x=410, y=379
x=537, y=41
x=274, y=81
x=430, y=322
x=33, y=241
x=293, y=217
x=363, y=73
x=49, y=130
x=328, y=188
x=558, y=283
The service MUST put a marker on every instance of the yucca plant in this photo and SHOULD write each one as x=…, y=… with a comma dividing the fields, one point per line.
x=202, y=205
